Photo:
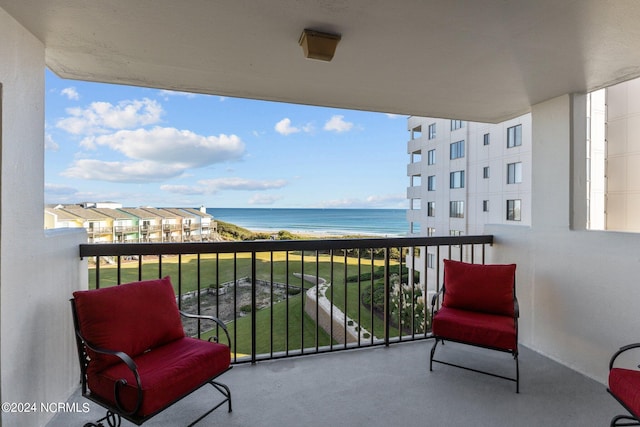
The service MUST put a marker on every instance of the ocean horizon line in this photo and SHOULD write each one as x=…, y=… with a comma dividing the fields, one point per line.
x=317, y=221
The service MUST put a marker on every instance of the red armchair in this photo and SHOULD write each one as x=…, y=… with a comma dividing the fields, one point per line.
x=624, y=386
x=479, y=308
x=135, y=359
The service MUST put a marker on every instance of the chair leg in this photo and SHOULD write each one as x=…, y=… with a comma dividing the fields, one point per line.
x=628, y=421
x=515, y=356
x=433, y=351
x=224, y=390
x=114, y=420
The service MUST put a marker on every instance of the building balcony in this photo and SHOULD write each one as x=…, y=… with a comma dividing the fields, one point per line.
x=380, y=376
x=389, y=386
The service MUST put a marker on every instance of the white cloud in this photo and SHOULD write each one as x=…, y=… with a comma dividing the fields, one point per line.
x=232, y=183
x=211, y=186
x=337, y=124
x=284, y=127
x=71, y=93
x=393, y=116
x=171, y=146
x=183, y=189
x=369, y=202
x=58, y=190
x=154, y=155
x=124, y=172
x=102, y=117
x=167, y=93
x=50, y=144
x=263, y=199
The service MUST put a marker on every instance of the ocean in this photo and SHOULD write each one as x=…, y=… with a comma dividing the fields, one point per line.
x=371, y=222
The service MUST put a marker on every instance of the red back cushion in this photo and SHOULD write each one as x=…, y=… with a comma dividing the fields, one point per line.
x=477, y=287
x=132, y=318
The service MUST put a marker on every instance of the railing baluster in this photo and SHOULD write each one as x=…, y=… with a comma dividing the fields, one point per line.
x=235, y=304
x=198, y=291
x=271, y=305
x=387, y=297
x=382, y=256
x=359, y=293
x=180, y=284
x=331, y=288
x=346, y=302
x=302, y=302
x=286, y=315
x=98, y=272
x=317, y=300
x=253, y=308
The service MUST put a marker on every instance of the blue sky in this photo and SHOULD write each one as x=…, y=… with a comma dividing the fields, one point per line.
x=140, y=146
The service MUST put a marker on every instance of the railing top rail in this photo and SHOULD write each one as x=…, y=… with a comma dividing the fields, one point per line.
x=116, y=249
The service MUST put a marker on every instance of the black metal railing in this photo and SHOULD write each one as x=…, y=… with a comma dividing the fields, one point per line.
x=293, y=297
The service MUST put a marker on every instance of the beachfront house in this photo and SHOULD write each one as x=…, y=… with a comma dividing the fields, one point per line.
x=205, y=226
x=55, y=217
x=98, y=223
x=478, y=61
x=170, y=224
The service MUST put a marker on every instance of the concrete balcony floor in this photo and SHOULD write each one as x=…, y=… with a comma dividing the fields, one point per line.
x=381, y=387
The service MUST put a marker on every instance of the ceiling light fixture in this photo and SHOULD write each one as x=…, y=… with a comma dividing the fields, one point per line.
x=318, y=45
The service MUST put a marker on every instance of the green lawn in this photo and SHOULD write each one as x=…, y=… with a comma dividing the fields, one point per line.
x=240, y=330
x=218, y=269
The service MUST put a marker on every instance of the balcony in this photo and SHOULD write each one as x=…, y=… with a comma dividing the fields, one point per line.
x=278, y=385
x=390, y=386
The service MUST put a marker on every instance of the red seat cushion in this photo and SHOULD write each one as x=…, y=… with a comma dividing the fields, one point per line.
x=166, y=373
x=478, y=287
x=132, y=318
x=625, y=385
x=483, y=329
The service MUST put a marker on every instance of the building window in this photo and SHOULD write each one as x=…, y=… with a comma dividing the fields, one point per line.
x=485, y=206
x=432, y=131
x=416, y=156
x=416, y=180
x=456, y=150
x=513, y=210
x=455, y=233
x=431, y=231
x=514, y=173
x=457, y=124
x=431, y=260
x=514, y=136
x=431, y=157
x=415, y=227
x=456, y=209
x=415, y=203
x=431, y=208
x=485, y=172
x=416, y=132
x=431, y=183
x=486, y=139
x=456, y=179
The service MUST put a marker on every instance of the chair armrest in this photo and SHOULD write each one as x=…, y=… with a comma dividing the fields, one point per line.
x=211, y=318
x=124, y=357
x=434, y=298
x=620, y=351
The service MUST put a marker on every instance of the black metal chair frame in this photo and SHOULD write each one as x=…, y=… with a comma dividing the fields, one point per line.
x=115, y=414
x=623, y=420
x=514, y=352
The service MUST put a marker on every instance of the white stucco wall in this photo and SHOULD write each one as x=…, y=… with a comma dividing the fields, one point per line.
x=38, y=271
x=578, y=290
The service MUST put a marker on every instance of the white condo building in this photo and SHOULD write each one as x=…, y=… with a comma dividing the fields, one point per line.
x=463, y=175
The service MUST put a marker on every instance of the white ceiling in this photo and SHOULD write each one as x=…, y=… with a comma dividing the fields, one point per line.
x=481, y=60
